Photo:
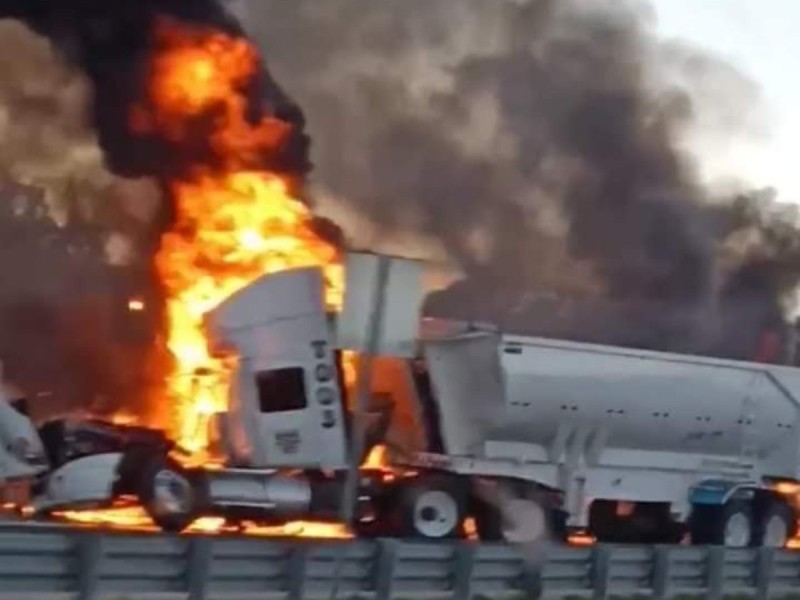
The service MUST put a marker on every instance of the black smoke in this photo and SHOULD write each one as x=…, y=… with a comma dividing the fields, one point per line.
x=540, y=142
x=45, y=319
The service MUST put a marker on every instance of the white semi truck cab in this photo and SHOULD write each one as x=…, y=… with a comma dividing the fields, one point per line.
x=527, y=437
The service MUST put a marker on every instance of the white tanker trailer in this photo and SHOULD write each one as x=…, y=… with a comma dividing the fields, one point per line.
x=641, y=446
x=525, y=436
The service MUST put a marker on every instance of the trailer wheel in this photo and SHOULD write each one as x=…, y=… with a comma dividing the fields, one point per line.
x=776, y=526
x=432, y=508
x=167, y=494
x=730, y=525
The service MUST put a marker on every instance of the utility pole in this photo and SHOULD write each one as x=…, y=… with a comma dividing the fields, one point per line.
x=364, y=388
x=383, y=297
x=363, y=391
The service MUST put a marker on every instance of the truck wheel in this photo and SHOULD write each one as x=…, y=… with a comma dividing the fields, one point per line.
x=167, y=494
x=432, y=508
x=730, y=525
x=776, y=526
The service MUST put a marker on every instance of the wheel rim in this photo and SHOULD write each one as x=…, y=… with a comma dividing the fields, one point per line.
x=435, y=514
x=776, y=531
x=523, y=521
x=172, y=493
x=737, y=531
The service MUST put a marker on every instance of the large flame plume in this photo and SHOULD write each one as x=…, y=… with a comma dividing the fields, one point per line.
x=233, y=221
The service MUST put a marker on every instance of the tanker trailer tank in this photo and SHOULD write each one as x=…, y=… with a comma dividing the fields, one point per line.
x=644, y=446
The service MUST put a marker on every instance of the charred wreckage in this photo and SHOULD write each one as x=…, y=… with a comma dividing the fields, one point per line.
x=530, y=437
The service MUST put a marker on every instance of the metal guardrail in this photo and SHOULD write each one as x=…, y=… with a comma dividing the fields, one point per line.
x=39, y=562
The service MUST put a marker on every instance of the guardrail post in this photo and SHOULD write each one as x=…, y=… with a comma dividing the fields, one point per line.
x=199, y=567
x=715, y=572
x=297, y=572
x=661, y=572
x=463, y=563
x=90, y=558
x=385, y=562
x=764, y=565
x=600, y=571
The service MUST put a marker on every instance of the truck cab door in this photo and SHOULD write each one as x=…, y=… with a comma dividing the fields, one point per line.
x=285, y=404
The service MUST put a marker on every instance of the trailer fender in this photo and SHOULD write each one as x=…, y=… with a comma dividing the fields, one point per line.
x=81, y=483
x=717, y=492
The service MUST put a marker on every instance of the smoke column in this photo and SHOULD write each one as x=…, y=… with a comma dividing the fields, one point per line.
x=542, y=143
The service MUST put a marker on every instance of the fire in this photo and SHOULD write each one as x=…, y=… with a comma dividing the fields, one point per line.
x=233, y=221
x=581, y=539
x=376, y=459
x=245, y=225
x=134, y=518
x=135, y=305
x=791, y=492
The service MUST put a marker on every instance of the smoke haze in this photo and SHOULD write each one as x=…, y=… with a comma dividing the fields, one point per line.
x=541, y=144
x=70, y=233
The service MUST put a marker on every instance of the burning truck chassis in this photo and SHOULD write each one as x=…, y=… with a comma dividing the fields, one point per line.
x=279, y=453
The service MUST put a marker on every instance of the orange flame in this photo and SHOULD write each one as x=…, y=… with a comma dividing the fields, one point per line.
x=233, y=222
x=134, y=518
x=376, y=459
x=790, y=490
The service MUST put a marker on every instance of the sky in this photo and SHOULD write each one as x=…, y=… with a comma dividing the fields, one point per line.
x=760, y=38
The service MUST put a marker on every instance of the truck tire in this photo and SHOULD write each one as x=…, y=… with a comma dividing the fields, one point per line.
x=167, y=493
x=432, y=507
x=776, y=526
x=730, y=525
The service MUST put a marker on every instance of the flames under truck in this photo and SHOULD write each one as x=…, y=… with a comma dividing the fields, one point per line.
x=529, y=437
